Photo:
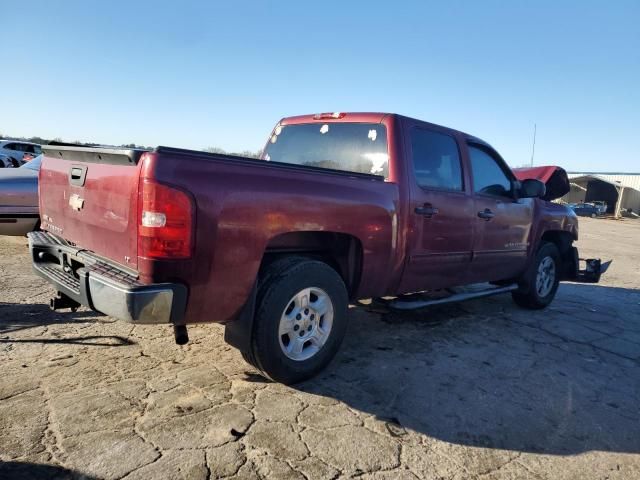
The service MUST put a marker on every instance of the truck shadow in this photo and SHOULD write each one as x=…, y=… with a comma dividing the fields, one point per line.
x=37, y=471
x=16, y=317
x=487, y=374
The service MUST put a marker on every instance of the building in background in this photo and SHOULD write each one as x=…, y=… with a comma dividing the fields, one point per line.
x=621, y=191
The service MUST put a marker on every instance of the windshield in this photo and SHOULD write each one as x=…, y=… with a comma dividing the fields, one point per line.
x=33, y=164
x=352, y=147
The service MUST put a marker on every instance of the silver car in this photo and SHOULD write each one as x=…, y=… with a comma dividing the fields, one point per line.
x=14, y=151
x=19, y=198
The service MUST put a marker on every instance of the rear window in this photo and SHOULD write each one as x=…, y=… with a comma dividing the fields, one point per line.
x=352, y=147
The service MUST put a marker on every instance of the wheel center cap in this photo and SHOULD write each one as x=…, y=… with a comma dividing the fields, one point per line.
x=306, y=322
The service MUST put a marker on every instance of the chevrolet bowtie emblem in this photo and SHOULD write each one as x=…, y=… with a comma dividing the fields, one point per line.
x=76, y=202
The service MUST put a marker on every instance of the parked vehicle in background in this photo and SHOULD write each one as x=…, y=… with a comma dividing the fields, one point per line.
x=6, y=161
x=601, y=205
x=587, y=210
x=341, y=207
x=16, y=150
x=19, y=198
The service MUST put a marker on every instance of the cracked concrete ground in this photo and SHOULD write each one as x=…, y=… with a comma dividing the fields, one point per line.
x=478, y=390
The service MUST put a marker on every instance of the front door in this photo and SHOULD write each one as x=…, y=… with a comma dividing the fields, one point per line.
x=440, y=230
x=502, y=223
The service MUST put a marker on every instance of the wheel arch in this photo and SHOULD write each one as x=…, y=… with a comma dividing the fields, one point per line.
x=341, y=251
x=563, y=241
x=560, y=238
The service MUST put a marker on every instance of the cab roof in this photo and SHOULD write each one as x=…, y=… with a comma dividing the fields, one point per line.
x=366, y=117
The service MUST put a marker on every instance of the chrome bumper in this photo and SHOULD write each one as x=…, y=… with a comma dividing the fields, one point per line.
x=104, y=287
x=148, y=304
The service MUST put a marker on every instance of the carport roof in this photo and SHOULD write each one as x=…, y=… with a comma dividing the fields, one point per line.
x=615, y=183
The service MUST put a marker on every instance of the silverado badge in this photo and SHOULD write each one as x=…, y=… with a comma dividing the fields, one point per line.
x=76, y=202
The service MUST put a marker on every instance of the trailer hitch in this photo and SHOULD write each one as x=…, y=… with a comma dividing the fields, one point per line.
x=61, y=301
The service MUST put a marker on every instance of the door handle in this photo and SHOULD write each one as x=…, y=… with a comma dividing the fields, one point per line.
x=427, y=210
x=486, y=214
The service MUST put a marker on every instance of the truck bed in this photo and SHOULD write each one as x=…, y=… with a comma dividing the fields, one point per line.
x=243, y=207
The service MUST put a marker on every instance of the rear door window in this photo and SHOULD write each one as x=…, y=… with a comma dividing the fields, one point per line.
x=436, y=160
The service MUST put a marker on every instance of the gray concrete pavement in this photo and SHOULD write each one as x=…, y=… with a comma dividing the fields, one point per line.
x=475, y=390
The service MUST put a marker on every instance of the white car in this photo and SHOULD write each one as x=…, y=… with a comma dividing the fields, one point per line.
x=19, y=198
x=12, y=152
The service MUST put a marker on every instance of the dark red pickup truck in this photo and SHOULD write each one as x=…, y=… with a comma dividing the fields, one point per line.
x=340, y=207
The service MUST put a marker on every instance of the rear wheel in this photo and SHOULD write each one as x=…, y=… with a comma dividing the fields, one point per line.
x=539, y=284
x=300, y=320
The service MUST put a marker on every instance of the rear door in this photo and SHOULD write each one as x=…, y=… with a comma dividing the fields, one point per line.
x=440, y=236
x=502, y=223
x=89, y=197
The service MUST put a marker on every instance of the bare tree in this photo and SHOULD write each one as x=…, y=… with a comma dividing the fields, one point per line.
x=214, y=150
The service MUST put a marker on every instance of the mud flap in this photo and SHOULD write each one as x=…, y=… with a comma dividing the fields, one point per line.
x=237, y=333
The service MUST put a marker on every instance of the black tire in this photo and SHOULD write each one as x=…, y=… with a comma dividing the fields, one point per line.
x=279, y=283
x=528, y=295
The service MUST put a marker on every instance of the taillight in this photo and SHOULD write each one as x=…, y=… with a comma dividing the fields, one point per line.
x=165, y=222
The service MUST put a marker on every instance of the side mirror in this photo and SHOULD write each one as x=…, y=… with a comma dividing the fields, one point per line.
x=532, y=188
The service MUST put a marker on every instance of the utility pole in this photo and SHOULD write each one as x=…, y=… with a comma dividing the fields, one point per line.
x=533, y=148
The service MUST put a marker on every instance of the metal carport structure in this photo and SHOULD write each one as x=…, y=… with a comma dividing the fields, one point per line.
x=592, y=187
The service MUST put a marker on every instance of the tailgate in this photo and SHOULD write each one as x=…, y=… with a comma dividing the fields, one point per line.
x=89, y=196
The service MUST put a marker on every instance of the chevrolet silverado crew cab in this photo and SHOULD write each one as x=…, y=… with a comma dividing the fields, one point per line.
x=341, y=207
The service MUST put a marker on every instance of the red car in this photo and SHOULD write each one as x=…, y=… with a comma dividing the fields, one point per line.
x=341, y=207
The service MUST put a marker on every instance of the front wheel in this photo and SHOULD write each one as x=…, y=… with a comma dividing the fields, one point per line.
x=300, y=319
x=539, y=284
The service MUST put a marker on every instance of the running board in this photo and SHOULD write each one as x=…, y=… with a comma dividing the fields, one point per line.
x=400, y=304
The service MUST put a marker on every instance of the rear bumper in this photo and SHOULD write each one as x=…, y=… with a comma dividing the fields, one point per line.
x=103, y=287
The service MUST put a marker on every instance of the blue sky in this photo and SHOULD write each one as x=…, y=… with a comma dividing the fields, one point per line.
x=199, y=74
